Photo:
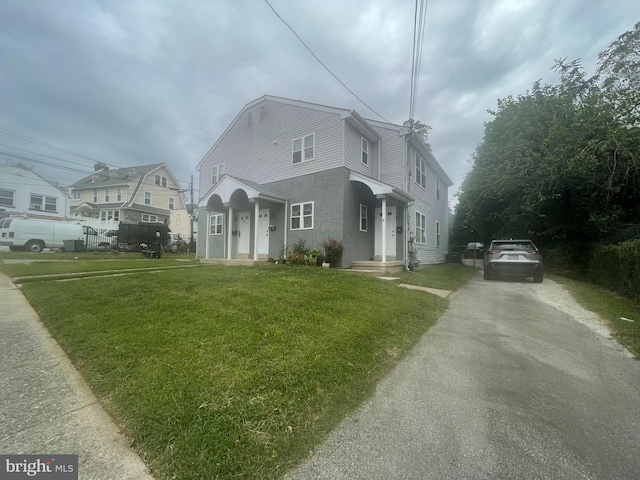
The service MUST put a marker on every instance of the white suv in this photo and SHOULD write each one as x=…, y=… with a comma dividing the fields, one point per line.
x=519, y=258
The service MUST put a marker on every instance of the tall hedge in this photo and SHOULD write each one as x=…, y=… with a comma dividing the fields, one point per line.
x=617, y=267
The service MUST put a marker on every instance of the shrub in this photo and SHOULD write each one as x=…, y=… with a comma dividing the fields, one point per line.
x=332, y=251
x=617, y=268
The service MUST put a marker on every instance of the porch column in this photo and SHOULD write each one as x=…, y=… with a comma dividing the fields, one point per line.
x=208, y=234
x=256, y=215
x=384, y=230
x=229, y=229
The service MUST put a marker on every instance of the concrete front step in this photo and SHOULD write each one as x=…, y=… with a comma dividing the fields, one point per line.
x=368, y=266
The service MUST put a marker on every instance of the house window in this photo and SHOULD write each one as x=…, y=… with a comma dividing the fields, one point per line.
x=302, y=216
x=363, y=218
x=437, y=234
x=110, y=215
x=6, y=197
x=172, y=202
x=161, y=181
x=421, y=171
x=107, y=195
x=149, y=218
x=437, y=188
x=118, y=194
x=95, y=195
x=77, y=194
x=217, y=171
x=50, y=204
x=216, y=224
x=147, y=198
x=421, y=228
x=303, y=148
x=365, y=151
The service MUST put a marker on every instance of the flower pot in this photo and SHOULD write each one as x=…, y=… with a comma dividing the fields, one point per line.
x=326, y=264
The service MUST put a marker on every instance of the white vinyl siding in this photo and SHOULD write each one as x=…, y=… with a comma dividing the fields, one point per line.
x=302, y=216
x=268, y=145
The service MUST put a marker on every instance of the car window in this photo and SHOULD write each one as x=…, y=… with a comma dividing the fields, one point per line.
x=513, y=246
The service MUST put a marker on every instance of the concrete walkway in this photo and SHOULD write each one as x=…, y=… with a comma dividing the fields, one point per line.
x=45, y=405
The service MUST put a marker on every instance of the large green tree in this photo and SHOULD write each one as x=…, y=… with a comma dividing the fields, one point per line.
x=560, y=163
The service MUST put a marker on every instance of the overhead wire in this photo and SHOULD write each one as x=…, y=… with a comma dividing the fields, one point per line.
x=322, y=63
x=419, y=22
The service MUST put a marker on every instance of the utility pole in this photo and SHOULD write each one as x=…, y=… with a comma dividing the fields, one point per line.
x=191, y=217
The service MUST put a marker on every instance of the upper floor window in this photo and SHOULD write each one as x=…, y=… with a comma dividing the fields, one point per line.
x=77, y=194
x=216, y=224
x=118, y=194
x=302, y=216
x=421, y=171
x=147, y=198
x=363, y=218
x=172, y=202
x=421, y=228
x=6, y=198
x=161, y=181
x=437, y=234
x=107, y=195
x=437, y=188
x=95, y=195
x=304, y=148
x=365, y=151
x=217, y=171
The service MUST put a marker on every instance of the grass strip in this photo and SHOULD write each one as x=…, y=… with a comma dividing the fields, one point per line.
x=233, y=372
x=611, y=307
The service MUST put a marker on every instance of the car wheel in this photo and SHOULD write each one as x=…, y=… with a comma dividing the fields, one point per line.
x=34, y=246
x=538, y=278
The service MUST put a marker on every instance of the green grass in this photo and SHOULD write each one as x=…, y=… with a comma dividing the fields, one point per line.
x=610, y=307
x=66, y=263
x=232, y=372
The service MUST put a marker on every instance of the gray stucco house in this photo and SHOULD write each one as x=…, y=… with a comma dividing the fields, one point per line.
x=286, y=170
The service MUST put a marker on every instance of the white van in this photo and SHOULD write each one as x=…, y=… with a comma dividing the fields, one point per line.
x=35, y=235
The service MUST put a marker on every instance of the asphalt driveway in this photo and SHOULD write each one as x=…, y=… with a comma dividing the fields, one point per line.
x=515, y=381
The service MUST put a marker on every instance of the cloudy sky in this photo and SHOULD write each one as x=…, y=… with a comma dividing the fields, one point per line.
x=133, y=82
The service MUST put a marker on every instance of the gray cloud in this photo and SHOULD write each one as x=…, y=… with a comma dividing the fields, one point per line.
x=148, y=81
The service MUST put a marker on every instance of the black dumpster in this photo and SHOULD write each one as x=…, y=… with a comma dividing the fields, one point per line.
x=73, y=245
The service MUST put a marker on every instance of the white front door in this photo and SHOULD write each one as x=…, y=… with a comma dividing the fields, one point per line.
x=263, y=232
x=390, y=232
x=244, y=233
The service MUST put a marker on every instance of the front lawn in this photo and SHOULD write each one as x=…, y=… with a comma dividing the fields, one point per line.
x=227, y=372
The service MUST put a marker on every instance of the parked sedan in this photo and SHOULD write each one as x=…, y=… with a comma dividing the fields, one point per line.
x=519, y=258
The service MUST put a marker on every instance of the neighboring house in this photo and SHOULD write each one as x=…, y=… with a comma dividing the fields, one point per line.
x=25, y=193
x=146, y=193
x=288, y=170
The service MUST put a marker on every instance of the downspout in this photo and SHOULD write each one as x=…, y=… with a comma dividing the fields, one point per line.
x=286, y=226
x=379, y=148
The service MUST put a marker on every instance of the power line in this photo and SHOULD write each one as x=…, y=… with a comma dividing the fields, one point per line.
x=321, y=63
x=419, y=21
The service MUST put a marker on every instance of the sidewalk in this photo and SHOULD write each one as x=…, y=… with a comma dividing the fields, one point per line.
x=45, y=405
